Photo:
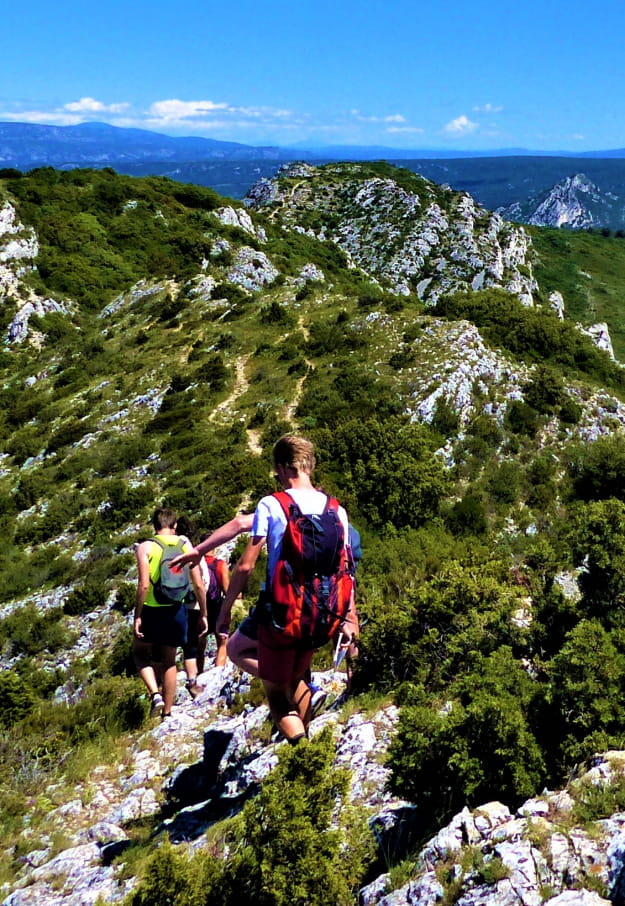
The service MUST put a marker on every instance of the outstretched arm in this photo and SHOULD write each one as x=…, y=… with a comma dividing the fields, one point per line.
x=225, y=533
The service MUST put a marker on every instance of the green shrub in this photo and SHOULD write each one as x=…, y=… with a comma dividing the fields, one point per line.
x=85, y=599
x=521, y=418
x=504, y=483
x=386, y=469
x=18, y=698
x=274, y=313
x=468, y=516
x=596, y=533
x=445, y=420
x=27, y=631
x=283, y=848
x=426, y=632
x=587, y=682
x=478, y=747
x=597, y=470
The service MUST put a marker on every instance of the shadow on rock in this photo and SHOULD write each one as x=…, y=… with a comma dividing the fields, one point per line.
x=201, y=794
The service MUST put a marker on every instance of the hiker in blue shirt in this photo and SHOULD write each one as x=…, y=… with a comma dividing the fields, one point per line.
x=284, y=661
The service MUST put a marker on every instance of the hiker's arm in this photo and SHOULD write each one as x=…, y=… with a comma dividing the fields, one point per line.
x=238, y=582
x=143, y=586
x=200, y=594
x=222, y=535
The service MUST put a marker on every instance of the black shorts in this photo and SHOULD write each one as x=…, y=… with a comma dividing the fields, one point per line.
x=249, y=626
x=165, y=625
x=189, y=650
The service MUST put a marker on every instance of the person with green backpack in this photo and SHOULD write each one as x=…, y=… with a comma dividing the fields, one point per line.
x=160, y=616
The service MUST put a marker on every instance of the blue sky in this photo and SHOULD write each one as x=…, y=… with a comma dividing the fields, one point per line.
x=487, y=74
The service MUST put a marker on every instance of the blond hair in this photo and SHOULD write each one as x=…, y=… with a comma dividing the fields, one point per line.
x=294, y=452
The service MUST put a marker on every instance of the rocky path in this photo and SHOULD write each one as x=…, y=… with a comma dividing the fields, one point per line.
x=183, y=774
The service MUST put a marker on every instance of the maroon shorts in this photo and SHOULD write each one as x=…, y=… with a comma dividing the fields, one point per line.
x=281, y=660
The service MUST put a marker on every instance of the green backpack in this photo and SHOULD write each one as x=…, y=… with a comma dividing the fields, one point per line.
x=174, y=582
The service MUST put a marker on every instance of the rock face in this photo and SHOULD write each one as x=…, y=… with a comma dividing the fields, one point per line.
x=202, y=764
x=424, y=238
x=252, y=270
x=197, y=767
x=18, y=249
x=529, y=858
x=576, y=202
x=18, y=328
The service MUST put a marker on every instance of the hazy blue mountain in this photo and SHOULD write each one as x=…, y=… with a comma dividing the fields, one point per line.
x=496, y=179
x=26, y=145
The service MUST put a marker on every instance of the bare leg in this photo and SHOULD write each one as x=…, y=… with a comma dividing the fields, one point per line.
x=302, y=697
x=169, y=678
x=201, y=651
x=222, y=654
x=243, y=651
x=142, y=653
x=285, y=714
x=191, y=669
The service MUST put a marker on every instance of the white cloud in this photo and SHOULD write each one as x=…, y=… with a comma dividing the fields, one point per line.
x=390, y=118
x=404, y=129
x=578, y=137
x=182, y=110
x=90, y=105
x=488, y=108
x=462, y=125
x=52, y=117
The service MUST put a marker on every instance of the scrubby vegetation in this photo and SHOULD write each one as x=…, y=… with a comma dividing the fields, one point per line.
x=176, y=393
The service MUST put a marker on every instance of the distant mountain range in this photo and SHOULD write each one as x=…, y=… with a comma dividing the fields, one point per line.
x=25, y=145
x=515, y=181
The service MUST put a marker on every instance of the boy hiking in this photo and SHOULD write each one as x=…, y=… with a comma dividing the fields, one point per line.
x=160, y=616
x=308, y=587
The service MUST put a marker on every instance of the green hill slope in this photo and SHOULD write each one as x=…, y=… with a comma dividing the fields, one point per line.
x=159, y=339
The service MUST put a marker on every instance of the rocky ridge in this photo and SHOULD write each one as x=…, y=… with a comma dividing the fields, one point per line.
x=200, y=766
x=453, y=363
x=425, y=239
x=576, y=202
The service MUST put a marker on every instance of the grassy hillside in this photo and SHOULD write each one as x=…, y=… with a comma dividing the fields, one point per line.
x=455, y=436
x=589, y=271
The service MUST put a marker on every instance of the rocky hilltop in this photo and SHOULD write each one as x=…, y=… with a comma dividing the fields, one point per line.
x=576, y=202
x=157, y=339
x=413, y=236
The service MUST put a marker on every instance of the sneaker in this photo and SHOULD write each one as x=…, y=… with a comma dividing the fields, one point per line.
x=192, y=688
x=317, y=699
x=157, y=703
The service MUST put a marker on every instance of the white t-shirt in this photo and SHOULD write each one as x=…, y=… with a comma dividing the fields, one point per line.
x=270, y=521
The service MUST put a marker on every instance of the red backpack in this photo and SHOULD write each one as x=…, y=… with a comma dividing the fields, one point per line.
x=312, y=585
x=214, y=591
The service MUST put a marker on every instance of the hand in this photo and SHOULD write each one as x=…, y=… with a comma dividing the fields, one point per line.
x=202, y=626
x=137, y=628
x=192, y=558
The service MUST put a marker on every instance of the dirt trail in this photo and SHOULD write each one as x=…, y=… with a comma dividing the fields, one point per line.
x=291, y=407
x=239, y=387
x=271, y=215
